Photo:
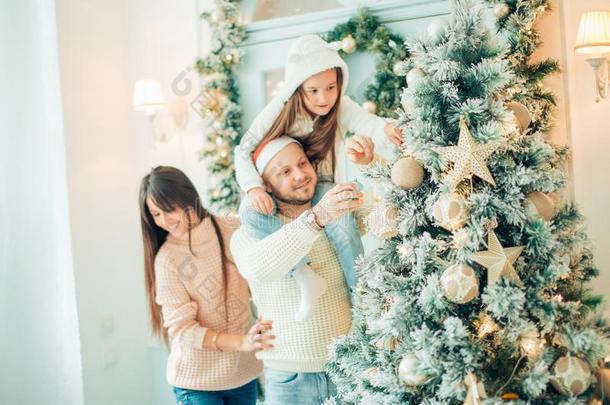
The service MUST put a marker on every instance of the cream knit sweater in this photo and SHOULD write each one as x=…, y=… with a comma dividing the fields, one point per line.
x=299, y=346
x=190, y=292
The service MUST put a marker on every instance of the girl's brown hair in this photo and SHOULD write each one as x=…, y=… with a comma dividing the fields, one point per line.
x=322, y=140
x=168, y=188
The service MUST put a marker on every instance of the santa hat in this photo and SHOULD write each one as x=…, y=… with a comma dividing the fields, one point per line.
x=309, y=55
x=267, y=150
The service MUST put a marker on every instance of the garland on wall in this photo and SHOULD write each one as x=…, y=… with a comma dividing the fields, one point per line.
x=219, y=100
x=219, y=103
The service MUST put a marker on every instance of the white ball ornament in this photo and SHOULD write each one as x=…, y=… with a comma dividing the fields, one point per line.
x=399, y=68
x=436, y=29
x=450, y=211
x=571, y=376
x=460, y=283
x=522, y=115
x=501, y=10
x=407, y=173
x=414, y=76
x=370, y=106
x=382, y=221
x=348, y=44
x=407, y=373
x=542, y=204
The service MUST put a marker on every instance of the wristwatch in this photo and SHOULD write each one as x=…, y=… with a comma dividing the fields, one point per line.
x=311, y=220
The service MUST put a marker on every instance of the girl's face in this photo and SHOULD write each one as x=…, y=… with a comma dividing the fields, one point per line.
x=320, y=92
x=176, y=222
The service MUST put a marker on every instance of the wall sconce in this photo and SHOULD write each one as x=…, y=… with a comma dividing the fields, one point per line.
x=148, y=98
x=594, y=38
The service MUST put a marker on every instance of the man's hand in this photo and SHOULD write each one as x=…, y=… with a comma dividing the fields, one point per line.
x=393, y=133
x=341, y=199
x=360, y=149
x=260, y=200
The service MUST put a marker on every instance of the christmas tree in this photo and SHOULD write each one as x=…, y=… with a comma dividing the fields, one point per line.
x=478, y=292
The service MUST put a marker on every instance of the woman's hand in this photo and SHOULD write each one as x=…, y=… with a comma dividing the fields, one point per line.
x=260, y=200
x=360, y=149
x=393, y=133
x=257, y=337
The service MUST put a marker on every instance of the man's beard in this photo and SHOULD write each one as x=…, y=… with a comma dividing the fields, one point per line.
x=291, y=201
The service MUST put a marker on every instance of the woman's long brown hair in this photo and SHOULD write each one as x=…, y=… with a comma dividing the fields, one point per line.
x=322, y=140
x=168, y=188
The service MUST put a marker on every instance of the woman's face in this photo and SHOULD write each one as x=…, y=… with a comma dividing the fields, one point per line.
x=320, y=92
x=176, y=222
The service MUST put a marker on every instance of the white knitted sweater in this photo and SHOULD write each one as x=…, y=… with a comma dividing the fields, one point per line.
x=265, y=263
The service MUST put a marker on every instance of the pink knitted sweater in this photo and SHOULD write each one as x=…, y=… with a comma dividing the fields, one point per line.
x=190, y=292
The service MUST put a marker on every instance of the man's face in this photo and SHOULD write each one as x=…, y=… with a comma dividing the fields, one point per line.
x=290, y=176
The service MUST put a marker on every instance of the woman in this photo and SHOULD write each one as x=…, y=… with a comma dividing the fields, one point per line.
x=199, y=304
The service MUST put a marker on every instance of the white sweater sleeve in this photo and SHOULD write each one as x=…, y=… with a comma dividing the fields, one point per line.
x=245, y=171
x=356, y=119
x=271, y=258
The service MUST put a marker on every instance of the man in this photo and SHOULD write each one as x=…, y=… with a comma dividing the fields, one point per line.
x=294, y=368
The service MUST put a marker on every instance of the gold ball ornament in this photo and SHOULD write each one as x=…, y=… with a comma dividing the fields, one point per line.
x=382, y=221
x=460, y=283
x=414, y=76
x=501, y=10
x=370, y=106
x=407, y=173
x=542, y=204
x=450, y=211
x=348, y=44
x=522, y=115
x=571, y=376
x=407, y=372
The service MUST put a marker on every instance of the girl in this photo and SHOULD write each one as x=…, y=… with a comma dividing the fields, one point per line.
x=312, y=108
x=199, y=304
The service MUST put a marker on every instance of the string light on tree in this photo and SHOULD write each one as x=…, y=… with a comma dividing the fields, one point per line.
x=486, y=326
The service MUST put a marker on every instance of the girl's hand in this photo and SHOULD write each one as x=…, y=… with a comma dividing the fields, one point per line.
x=393, y=133
x=257, y=337
x=360, y=149
x=260, y=200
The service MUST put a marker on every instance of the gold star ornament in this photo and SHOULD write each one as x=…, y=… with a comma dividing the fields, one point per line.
x=498, y=260
x=468, y=157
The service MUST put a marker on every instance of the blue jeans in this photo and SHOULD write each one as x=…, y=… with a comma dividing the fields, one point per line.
x=244, y=395
x=288, y=388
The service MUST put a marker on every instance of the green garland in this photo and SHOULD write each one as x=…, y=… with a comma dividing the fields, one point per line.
x=219, y=101
x=372, y=36
x=220, y=96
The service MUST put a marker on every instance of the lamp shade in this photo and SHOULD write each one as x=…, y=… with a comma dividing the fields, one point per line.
x=594, y=33
x=147, y=96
